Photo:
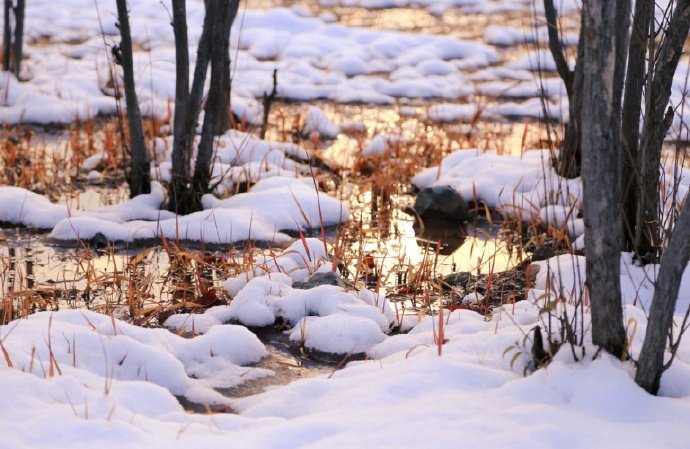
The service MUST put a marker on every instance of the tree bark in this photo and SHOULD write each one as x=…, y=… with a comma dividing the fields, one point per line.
x=570, y=154
x=601, y=172
x=223, y=121
x=657, y=122
x=214, y=103
x=140, y=174
x=623, y=10
x=17, y=51
x=632, y=105
x=183, y=196
x=179, y=189
x=556, y=47
x=674, y=261
x=7, y=37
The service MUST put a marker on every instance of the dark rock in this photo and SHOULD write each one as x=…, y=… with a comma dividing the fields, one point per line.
x=460, y=279
x=441, y=202
x=99, y=242
x=543, y=253
x=320, y=278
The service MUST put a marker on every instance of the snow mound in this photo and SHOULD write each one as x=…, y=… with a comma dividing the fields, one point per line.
x=98, y=350
x=525, y=187
x=326, y=318
x=299, y=260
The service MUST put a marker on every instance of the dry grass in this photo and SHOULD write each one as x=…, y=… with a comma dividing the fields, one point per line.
x=147, y=285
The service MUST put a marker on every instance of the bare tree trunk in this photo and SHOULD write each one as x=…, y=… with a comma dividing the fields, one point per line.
x=13, y=40
x=140, y=174
x=569, y=157
x=658, y=119
x=214, y=104
x=623, y=9
x=556, y=47
x=601, y=172
x=179, y=188
x=223, y=118
x=632, y=105
x=17, y=51
x=183, y=198
x=674, y=261
x=7, y=37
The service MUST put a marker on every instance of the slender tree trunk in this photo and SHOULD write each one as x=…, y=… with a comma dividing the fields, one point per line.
x=674, y=261
x=223, y=121
x=214, y=103
x=623, y=10
x=570, y=154
x=601, y=172
x=179, y=188
x=632, y=105
x=183, y=197
x=203, y=58
x=658, y=119
x=556, y=47
x=140, y=174
x=568, y=162
x=17, y=51
x=7, y=37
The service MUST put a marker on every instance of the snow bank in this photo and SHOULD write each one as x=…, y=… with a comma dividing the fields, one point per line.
x=259, y=214
x=327, y=317
x=299, y=260
x=70, y=78
x=99, y=351
x=590, y=403
x=22, y=207
x=526, y=187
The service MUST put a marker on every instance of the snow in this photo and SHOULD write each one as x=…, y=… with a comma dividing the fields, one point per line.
x=96, y=351
x=318, y=122
x=21, y=206
x=299, y=260
x=244, y=216
x=468, y=393
x=314, y=59
x=80, y=379
x=278, y=186
x=525, y=187
x=380, y=145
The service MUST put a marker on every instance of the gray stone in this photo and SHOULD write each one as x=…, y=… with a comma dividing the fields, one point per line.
x=441, y=202
x=320, y=278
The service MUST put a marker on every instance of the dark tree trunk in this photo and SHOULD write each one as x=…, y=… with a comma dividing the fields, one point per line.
x=569, y=158
x=556, y=47
x=623, y=9
x=183, y=196
x=601, y=172
x=223, y=120
x=632, y=105
x=140, y=174
x=7, y=37
x=13, y=40
x=17, y=50
x=658, y=119
x=214, y=103
x=179, y=191
x=203, y=58
x=674, y=261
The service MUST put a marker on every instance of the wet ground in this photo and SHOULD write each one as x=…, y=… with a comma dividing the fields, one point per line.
x=37, y=274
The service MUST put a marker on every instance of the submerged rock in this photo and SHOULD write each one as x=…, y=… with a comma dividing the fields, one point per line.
x=441, y=202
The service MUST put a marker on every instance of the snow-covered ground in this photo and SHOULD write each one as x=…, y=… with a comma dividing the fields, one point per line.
x=78, y=379
x=67, y=73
